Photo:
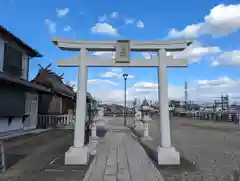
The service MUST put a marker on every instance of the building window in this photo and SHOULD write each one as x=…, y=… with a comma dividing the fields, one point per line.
x=12, y=60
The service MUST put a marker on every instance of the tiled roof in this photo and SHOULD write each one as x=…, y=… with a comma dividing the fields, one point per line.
x=51, y=80
x=16, y=80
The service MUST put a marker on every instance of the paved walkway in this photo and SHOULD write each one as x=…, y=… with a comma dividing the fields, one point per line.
x=120, y=157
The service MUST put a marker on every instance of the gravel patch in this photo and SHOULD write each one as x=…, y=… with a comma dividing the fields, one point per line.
x=209, y=151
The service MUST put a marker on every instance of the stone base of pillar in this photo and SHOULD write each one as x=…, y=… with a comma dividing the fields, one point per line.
x=77, y=156
x=168, y=156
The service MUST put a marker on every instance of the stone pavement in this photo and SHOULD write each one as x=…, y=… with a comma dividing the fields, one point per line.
x=120, y=157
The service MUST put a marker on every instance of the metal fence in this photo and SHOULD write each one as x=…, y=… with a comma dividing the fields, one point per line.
x=2, y=159
x=215, y=116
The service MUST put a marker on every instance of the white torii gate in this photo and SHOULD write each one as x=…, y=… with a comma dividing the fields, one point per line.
x=78, y=153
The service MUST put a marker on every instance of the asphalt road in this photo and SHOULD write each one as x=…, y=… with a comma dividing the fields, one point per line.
x=40, y=157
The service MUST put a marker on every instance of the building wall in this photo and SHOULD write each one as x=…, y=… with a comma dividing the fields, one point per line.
x=31, y=110
x=68, y=104
x=12, y=100
x=16, y=124
x=50, y=104
x=25, y=66
x=25, y=59
x=12, y=97
x=1, y=53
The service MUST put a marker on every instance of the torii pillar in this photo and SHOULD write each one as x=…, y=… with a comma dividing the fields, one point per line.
x=78, y=153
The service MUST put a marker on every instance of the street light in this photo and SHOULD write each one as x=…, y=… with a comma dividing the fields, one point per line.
x=125, y=75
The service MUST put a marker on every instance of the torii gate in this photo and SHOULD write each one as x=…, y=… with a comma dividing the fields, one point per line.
x=78, y=153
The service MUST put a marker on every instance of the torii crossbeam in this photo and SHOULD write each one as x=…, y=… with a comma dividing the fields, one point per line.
x=78, y=153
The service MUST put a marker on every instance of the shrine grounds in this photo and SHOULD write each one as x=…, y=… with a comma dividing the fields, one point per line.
x=40, y=157
x=209, y=151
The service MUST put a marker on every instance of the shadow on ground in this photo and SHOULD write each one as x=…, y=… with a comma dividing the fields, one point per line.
x=41, y=157
x=185, y=165
x=101, y=132
x=12, y=159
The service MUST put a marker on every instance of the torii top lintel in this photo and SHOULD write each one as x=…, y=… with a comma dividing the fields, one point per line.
x=110, y=45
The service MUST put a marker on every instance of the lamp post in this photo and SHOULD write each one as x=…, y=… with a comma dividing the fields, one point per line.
x=125, y=75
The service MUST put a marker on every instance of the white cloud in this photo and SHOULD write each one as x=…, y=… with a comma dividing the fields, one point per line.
x=139, y=24
x=104, y=54
x=62, y=12
x=129, y=21
x=193, y=53
x=219, y=82
x=199, y=91
x=51, y=25
x=92, y=82
x=222, y=20
x=100, y=82
x=114, y=14
x=190, y=31
x=112, y=74
x=116, y=69
x=145, y=87
x=139, y=90
x=227, y=58
x=104, y=28
x=210, y=89
x=67, y=28
x=115, y=73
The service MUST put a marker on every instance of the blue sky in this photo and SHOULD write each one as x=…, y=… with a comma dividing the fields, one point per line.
x=214, y=58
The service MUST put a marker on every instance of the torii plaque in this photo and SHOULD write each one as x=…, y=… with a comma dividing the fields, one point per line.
x=78, y=153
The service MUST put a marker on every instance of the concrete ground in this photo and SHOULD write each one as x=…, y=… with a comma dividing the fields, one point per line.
x=209, y=150
x=40, y=157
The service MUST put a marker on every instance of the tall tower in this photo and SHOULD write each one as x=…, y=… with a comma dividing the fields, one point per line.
x=186, y=95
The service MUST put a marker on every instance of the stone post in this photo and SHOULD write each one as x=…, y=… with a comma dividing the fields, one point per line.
x=146, y=134
x=167, y=155
x=78, y=153
x=145, y=117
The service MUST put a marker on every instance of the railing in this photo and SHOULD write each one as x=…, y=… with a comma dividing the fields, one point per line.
x=215, y=116
x=45, y=121
x=2, y=159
